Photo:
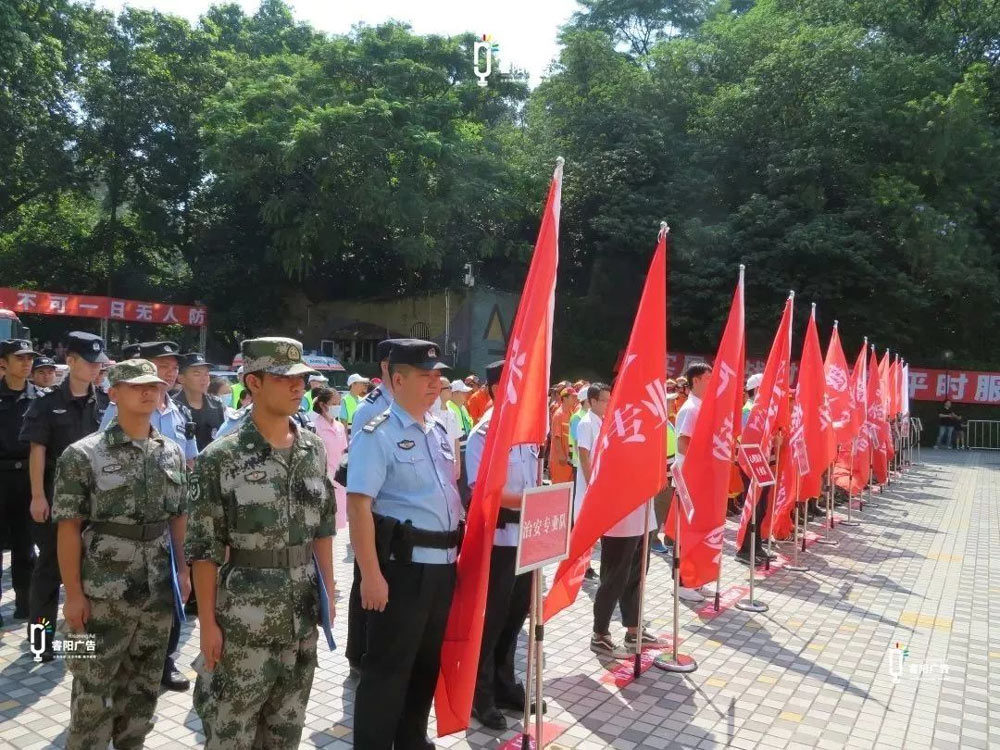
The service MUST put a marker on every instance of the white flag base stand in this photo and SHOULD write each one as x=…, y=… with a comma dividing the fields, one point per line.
x=794, y=564
x=676, y=662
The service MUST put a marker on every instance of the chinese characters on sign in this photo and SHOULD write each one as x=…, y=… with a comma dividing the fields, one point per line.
x=82, y=306
x=544, y=529
x=755, y=462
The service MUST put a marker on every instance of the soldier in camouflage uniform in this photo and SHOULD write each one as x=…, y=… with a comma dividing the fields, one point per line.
x=128, y=484
x=263, y=492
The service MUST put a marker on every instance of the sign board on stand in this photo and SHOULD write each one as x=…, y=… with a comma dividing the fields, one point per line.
x=755, y=463
x=543, y=537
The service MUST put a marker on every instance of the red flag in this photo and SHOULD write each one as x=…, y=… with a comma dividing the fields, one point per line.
x=520, y=416
x=706, y=466
x=853, y=467
x=814, y=452
x=876, y=418
x=630, y=456
x=838, y=387
x=778, y=518
x=770, y=410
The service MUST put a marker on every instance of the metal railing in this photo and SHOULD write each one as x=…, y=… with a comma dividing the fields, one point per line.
x=983, y=434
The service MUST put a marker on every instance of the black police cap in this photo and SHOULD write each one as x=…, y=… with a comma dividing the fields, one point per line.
x=193, y=359
x=87, y=345
x=493, y=372
x=384, y=347
x=131, y=352
x=16, y=346
x=151, y=349
x=41, y=362
x=418, y=353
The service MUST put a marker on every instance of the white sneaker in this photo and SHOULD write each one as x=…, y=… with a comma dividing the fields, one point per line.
x=707, y=591
x=689, y=595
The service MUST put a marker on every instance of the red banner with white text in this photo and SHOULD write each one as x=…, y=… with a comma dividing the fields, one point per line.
x=110, y=308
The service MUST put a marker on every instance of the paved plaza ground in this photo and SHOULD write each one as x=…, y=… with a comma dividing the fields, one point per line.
x=821, y=668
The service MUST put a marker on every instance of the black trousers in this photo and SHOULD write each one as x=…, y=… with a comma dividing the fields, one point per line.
x=758, y=512
x=15, y=527
x=621, y=557
x=399, y=670
x=355, y=622
x=43, y=600
x=508, y=599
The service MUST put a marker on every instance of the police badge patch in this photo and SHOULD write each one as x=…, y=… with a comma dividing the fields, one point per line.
x=406, y=444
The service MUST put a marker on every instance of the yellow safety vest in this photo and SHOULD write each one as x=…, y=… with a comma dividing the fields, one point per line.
x=351, y=405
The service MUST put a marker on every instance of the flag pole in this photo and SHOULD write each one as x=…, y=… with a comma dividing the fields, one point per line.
x=637, y=667
x=751, y=605
x=829, y=510
x=678, y=662
x=528, y=674
x=794, y=565
x=538, y=634
x=850, y=489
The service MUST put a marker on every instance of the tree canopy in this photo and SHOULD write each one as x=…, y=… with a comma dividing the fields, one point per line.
x=847, y=149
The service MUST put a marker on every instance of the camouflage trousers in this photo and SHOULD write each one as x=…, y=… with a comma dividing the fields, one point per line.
x=114, y=694
x=256, y=696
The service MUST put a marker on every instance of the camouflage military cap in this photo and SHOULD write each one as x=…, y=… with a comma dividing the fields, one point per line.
x=275, y=355
x=133, y=372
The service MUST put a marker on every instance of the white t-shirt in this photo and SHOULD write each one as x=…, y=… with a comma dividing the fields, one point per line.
x=587, y=431
x=687, y=416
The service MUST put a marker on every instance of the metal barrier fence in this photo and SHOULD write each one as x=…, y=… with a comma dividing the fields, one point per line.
x=983, y=434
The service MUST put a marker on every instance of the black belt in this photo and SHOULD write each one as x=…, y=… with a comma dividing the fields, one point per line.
x=13, y=464
x=137, y=532
x=506, y=516
x=284, y=557
x=434, y=539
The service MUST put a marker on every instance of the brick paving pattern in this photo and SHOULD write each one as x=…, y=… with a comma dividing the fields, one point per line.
x=819, y=669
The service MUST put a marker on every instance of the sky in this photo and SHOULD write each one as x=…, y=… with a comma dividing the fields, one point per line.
x=526, y=30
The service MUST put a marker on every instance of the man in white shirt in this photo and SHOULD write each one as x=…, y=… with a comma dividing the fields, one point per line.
x=589, y=427
x=621, y=549
x=697, y=376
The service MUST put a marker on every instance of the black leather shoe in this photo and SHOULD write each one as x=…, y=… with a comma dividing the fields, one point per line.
x=174, y=680
x=491, y=718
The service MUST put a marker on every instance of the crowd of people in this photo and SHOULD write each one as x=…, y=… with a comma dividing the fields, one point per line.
x=135, y=478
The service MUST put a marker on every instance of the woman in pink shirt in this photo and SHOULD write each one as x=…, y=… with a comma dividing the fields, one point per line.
x=326, y=404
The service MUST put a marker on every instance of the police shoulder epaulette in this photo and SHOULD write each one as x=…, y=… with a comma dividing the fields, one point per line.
x=374, y=423
x=440, y=425
x=373, y=397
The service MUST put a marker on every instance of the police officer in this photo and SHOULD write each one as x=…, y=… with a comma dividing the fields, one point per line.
x=16, y=395
x=380, y=398
x=508, y=596
x=404, y=514
x=373, y=404
x=207, y=412
x=174, y=422
x=127, y=484
x=43, y=372
x=54, y=421
x=263, y=493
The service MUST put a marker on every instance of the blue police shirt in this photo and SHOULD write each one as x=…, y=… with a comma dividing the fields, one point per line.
x=522, y=472
x=371, y=406
x=169, y=422
x=408, y=469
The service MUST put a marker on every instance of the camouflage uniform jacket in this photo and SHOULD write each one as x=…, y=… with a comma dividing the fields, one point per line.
x=245, y=495
x=107, y=476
